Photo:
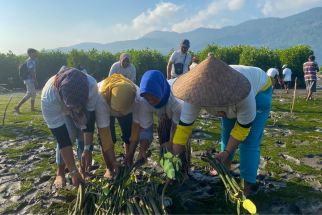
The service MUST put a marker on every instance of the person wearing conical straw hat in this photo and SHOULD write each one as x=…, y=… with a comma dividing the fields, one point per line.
x=118, y=96
x=241, y=95
x=156, y=98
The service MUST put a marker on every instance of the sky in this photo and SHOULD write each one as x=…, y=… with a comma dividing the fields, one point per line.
x=47, y=24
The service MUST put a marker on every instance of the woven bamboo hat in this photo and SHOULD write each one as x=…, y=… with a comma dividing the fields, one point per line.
x=212, y=83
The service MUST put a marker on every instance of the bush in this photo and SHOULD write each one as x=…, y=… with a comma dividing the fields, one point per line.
x=48, y=64
x=147, y=59
x=263, y=58
x=98, y=63
x=9, y=76
x=294, y=57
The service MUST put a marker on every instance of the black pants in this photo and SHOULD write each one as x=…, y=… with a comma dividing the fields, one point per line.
x=125, y=123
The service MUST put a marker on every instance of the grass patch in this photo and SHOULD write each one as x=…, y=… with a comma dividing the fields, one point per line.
x=16, y=152
x=26, y=186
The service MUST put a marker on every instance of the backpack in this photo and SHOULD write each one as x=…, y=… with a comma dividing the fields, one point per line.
x=178, y=67
x=23, y=71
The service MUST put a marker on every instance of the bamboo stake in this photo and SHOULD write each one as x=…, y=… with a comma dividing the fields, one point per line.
x=5, y=111
x=294, y=95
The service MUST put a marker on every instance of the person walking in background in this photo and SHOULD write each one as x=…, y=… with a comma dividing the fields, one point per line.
x=195, y=62
x=179, y=61
x=310, y=68
x=124, y=67
x=287, y=77
x=274, y=75
x=29, y=80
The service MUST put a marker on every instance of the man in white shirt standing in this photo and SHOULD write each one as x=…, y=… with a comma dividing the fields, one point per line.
x=179, y=61
x=287, y=74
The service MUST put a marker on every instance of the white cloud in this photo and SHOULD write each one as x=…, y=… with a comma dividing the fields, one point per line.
x=203, y=17
x=282, y=8
x=236, y=4
x=160, y=17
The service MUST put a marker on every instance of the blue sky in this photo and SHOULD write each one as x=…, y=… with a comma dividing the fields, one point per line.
x=56, y=23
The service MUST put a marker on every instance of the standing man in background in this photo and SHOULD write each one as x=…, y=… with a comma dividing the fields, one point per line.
x=310, y=68
x=124, y=67
x=287, y=77
x=29, y=80
x=179, y=61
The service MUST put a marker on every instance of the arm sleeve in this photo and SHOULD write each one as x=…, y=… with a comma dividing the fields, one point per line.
x=182, y=134
x=102, y=112
x=136, y=111
x=113, y=69
x=176, y=110
x=172, y=58
x=135, y=132
x=92, y=95
x=246, y=113
x=240, y=132
x=62, y=136
x=90, y=125
x=189, y=113
x=134, y=73
x=145, y=114
x=106, y=138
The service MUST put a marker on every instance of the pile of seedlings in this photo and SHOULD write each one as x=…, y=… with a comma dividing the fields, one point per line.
x=234, y=191
x=142, y=190
x=132, y=191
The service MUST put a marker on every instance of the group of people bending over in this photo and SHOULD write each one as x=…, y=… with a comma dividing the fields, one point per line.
x=73, y=102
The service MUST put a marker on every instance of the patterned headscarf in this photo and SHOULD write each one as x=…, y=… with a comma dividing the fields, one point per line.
x=123, y=56
x=119, y=92
x=73, y=89
x=154, y=83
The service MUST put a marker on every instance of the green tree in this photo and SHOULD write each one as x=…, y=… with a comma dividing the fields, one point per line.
x=9, y=77
x=263, y=58
x=294, y=57
x=48, y=64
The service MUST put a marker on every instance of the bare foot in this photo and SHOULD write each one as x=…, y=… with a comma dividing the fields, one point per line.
x=213, y=172
x=60, y=181
x=108, y=174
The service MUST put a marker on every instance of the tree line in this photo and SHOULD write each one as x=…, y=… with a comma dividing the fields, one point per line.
x=98, y=63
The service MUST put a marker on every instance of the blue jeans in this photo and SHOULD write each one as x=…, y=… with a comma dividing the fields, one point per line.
x=250, y=147
x=80, y=149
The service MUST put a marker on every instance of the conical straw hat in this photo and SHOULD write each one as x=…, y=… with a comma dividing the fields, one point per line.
x=212, y=83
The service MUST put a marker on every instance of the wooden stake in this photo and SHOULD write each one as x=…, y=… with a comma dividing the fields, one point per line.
x=294, y=94
x=5, y=111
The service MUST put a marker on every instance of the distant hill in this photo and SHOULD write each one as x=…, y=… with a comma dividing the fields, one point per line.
x=302, y=28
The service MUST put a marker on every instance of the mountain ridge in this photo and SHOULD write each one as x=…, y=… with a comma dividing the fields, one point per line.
x=302, y=28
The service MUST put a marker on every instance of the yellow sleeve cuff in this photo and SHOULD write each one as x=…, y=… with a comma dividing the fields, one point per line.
x=135, y=132
x=182, y=134
x=239, y=133
x=106, y=138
